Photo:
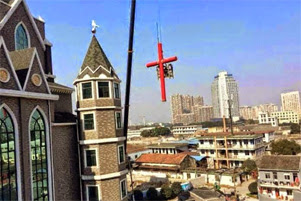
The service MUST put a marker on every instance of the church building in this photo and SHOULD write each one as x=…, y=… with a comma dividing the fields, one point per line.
x=49, y=152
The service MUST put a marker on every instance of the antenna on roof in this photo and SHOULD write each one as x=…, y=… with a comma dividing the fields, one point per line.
x=94, y=26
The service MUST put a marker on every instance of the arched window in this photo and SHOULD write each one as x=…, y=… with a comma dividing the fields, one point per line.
x=8, y=181
x=39, y=157
x=21, y=38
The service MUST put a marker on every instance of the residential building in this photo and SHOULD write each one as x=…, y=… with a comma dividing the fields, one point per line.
x=264, y=118
x=202, y=113
x=176, y=107
x=182, y=108
x=185, y=119
x=39, y=153
x=185, y=130
x=246, y=112
x=132, y=133
x=168, y=148
x=278, y=177
x=227, y=151
x=135, y=151
x=224, y=89
x=161, y=166
x=101, y=138
x=252, y=112
x=291, y=101
x=286, y=117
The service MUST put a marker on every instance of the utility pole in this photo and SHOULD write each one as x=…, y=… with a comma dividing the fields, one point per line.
x=230, y=114
x=128, y=83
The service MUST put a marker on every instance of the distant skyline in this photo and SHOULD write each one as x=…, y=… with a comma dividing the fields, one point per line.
x=259, y=42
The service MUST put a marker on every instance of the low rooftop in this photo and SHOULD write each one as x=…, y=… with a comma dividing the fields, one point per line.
x=279, y=162
x=168, y=145
x=130, y=148
x=174, y=159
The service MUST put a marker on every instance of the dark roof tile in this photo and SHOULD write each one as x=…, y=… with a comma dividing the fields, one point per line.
x=279, y=162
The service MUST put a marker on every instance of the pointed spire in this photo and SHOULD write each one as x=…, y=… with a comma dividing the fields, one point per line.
x=95, y=57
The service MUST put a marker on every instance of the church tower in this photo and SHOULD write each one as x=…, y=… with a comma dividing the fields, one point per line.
x=101, y=138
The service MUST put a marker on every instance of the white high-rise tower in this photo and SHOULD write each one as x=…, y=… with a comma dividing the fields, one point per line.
x=223, y=88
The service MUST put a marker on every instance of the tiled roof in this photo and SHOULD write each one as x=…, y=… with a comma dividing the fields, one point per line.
x=134, y=148
x=279, y=162
x=21, y=58
x=175, y=159
x=95, y=57
x=168, y=145
x=55, y=87
x=4, y=8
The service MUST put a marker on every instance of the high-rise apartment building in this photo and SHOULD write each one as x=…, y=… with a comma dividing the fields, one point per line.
x=291, y=102
x=252, y=112
x=203, y=113
x=183, y=104
x=224, y=88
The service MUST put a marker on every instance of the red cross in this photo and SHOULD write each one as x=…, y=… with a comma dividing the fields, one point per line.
x=160, y=62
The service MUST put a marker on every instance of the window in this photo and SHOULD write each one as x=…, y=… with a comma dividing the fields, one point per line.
x=88, y=121
x=93, y=193
x=123, y=189
x=116, y=91
x=235, y=152
x=8, y=189
x=103, y=90
x=91, y=158
x=211, y=152
x=121, y=154
x=267, y=175
x=289, y=192
x=118, y=119
x=247, y=153
x=39, y=157
x=87, y=90
x=287, y=177
x=21, y=38
x=275, y=175
x=210, y=141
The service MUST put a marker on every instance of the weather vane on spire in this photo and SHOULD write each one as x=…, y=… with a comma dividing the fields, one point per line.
x=94, y=26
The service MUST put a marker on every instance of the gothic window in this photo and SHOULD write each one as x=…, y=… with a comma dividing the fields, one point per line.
x=21, y=38
x=39, y=168
x=8, y=185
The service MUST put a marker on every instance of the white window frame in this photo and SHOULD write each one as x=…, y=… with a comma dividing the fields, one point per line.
x=83, y=119
x=26, y=31
x=85, y=157
x=87, y=191
x=114, y=90
x=126, y=191
x=81, y=90
x=119, y=154
x=116, y=124
x=110, y=89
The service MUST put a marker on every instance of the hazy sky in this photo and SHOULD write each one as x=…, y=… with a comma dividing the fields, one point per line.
x=259, y=42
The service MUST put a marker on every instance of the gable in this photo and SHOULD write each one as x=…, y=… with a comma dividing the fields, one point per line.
x=12, y=83
x=20, y=15
x=35, y=80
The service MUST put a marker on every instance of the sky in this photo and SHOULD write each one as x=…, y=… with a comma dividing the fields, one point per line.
x=259, y=42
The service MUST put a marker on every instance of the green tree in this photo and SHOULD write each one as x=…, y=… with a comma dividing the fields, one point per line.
x=176, y=188
x=146, y=133
x=161, y=131
x=285, y=147
x=295, y=128
x=248, y=166
x=253, y=188
x=152, y=194
x=138, y=195
x=166, y=192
